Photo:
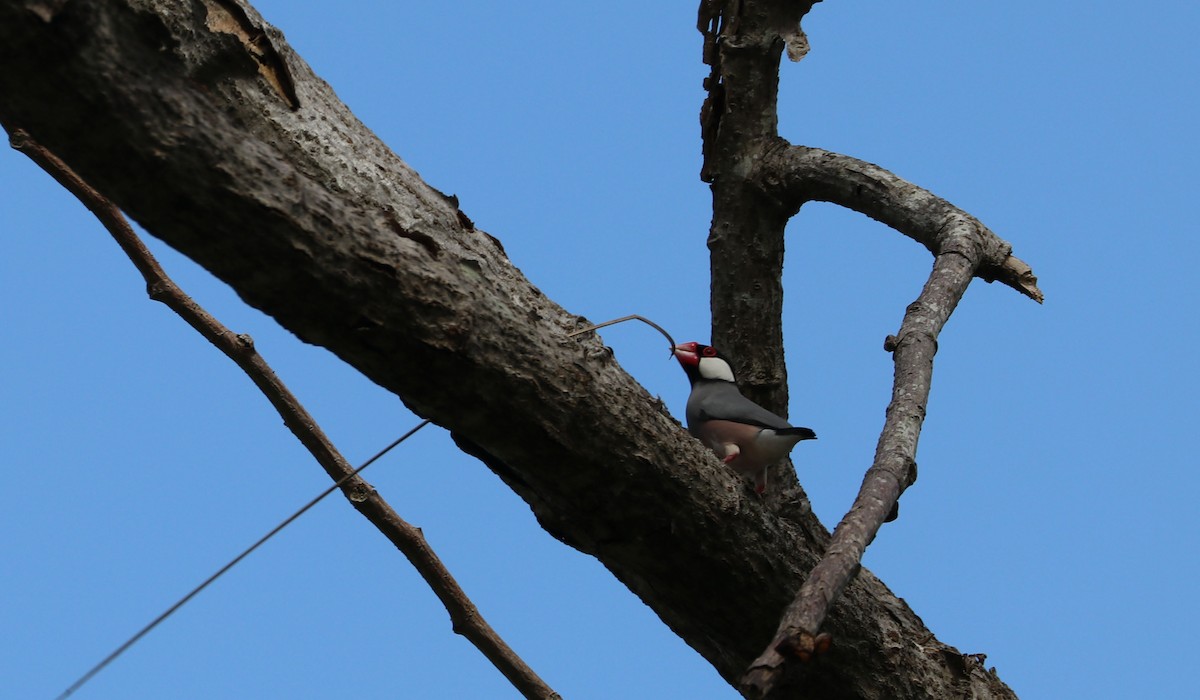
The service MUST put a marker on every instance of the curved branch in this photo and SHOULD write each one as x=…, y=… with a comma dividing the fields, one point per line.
x=894, y=466
x=464, y=615
x=793, y=175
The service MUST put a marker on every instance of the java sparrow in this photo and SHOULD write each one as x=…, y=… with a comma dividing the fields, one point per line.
x=743, y=434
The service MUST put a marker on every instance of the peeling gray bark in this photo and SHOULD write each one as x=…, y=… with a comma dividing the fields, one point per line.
x=181, y=115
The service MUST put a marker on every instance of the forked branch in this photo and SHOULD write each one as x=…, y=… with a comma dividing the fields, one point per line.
x=963, y=248
x=465, y=617
x=759, y=181
x=894, y=467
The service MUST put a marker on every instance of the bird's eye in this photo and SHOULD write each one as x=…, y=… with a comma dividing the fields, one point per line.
x=709, y=351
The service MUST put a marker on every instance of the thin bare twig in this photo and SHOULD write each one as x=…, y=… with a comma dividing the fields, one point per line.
x=630, y=317
x=465, y=617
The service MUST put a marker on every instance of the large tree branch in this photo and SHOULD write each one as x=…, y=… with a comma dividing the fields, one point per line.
x=184, y=122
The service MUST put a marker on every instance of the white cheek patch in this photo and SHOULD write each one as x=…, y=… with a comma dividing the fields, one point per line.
x=715, y=368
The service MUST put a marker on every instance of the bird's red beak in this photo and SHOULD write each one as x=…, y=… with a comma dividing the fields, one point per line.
x=687, y=354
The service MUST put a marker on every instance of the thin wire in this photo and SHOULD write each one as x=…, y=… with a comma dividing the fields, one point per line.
x=182, y=601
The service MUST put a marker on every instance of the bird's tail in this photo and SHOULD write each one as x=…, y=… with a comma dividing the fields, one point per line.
x=802, y=433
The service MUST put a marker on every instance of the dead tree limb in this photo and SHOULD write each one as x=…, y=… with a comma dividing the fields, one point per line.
x=795, y=175
x=893, y=470
x=464, y=615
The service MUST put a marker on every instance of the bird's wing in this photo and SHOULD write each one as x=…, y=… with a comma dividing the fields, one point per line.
x=722, y=401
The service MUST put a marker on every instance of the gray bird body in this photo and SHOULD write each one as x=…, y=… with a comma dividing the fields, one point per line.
x=746, y=436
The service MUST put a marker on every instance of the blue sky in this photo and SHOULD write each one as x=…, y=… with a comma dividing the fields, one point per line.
x=1052, y=527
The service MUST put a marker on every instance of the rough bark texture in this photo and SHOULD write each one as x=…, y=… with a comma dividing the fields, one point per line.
x=202, y=124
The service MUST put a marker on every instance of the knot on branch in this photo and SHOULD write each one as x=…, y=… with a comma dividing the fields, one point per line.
x=892, y=343
x=358, y=492
x=804, y=645
x=158, y=290
x=18, y=139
